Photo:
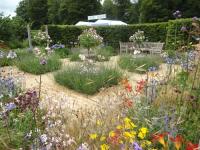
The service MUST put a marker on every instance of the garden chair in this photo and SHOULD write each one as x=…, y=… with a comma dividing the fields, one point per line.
x=123, y=47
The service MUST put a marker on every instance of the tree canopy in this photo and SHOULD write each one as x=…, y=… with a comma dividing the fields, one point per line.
x=131, y=11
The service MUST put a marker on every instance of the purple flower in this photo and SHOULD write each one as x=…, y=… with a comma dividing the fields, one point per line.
x=151, y=69
x=194, y=18
x=10, y=106
x=183, y=29
x=177, y=14
x=136, y=146
x=43, y=61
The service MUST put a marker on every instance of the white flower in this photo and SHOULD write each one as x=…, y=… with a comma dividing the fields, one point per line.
x=11, y=55
x=136, y=52
x=43, y=138
x=82, y=57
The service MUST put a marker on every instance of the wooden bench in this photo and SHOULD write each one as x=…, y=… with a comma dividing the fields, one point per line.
x=149, y=47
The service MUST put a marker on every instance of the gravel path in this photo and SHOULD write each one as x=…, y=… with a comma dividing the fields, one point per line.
x=55, y=93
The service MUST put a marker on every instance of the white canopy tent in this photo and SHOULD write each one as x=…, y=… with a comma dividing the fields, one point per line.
x=109, y=22
x=83, y=23
x=101, y=23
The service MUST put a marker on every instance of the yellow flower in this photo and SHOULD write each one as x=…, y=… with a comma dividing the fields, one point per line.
x=105, y=147
x=102, y=138
x=142, y=133
x=99, y=123
x=111, y=134
x=128, y=124
x=129, y=136
x=119, y=127
x=93, y=136
x=145, y=143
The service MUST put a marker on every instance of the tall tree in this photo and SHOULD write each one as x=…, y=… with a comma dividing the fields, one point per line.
x=72, y=11
x=110, y=9
x=38, y=10
x=53, y=11
x=122, y=9
x=22, y=10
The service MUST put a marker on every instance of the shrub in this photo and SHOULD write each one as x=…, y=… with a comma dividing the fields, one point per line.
x=174, y=27
x=62, y=52
x=90, y=39
x=104, y=54
x=31, y=64
x=88, y=82
x=138, y=64
x=75, y=56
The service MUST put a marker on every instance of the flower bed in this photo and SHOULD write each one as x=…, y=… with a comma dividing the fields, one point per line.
x=88, y=80
x=139, y=64
x=35, y=65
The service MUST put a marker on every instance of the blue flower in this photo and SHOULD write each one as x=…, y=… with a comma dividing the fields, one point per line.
x=10, y=106
x=169, y=60
x=136, y=146
x=151, y=69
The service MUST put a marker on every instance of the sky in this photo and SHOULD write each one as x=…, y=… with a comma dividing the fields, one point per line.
x=8, y=7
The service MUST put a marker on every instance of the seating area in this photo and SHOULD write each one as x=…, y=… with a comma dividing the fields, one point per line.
x=145, y=47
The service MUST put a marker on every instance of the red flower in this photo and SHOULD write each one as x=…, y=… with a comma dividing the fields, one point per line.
x=128, y=87
x=178, y=140
x=128, y=103
x=191, y=146
x=140, y=86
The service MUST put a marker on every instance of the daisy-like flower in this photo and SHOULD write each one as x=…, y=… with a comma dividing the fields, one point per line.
x=105, y=147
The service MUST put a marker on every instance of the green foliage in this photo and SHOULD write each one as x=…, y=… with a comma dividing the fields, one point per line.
x=111, y=35
x=62, y=52
x=19, y=124
x=87, y=82
x=104, y=54
x=5, y=62
x=31, y=64
x=12, y=29
x=75, y=56
x=175, y=38
x=139, y=64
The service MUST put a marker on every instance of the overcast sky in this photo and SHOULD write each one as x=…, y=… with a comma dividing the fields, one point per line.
x=8, y=6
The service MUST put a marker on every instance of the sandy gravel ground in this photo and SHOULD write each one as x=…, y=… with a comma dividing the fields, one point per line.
x=69, y=98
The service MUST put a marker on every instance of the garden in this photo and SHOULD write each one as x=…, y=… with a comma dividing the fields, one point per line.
x=90, y=97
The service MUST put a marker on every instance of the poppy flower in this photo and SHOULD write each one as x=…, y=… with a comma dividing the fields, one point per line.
x=178, y=140
x=191, y=146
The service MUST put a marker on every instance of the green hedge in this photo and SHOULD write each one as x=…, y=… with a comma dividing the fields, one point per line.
x=175, y=37
x=113, y=34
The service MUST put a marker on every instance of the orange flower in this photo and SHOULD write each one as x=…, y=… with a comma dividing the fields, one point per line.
x=178, y=140
x=128, y=87
x=191, y=146
x=124, y=81
x=160, y=138
x=114, y=138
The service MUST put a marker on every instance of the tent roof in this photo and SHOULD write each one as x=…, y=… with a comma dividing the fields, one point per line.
x=101, y=23
x=110, y=22
x=83, y=23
